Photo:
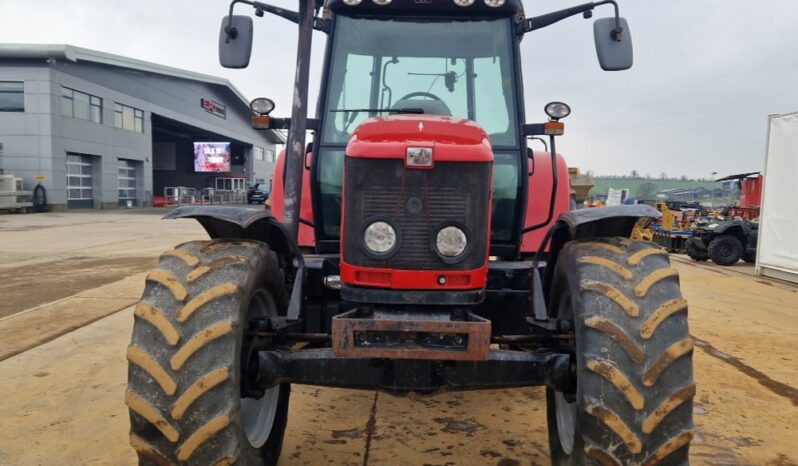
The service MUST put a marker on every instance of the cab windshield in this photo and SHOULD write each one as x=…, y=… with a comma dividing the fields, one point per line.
x=458, y=68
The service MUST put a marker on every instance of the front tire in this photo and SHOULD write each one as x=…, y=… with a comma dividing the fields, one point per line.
x=185, y=358
x=725, y=250
x=696, y=252
x=634, y=388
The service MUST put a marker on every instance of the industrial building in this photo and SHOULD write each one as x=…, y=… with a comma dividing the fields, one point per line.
x=98, y=130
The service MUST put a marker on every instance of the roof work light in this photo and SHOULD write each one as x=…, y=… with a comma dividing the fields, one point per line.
x=262, y=106
x=557, y=110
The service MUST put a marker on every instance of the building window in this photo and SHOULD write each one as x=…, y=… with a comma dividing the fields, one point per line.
x=12, y=96
x=81, y=105
x=269, y=155
x=259, y=153
x=129, y=118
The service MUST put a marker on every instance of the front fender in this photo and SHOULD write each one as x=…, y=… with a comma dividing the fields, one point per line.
x=594, y=223
x=244, y=223
x=241, y=222
x=730, y=228
x=606, y=221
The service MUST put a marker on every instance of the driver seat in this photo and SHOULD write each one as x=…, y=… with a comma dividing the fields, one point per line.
x=429, y=106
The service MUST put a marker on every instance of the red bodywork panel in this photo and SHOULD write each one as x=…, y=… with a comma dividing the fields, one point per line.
x=307, y=237
x=539, y=197
x=452, y=140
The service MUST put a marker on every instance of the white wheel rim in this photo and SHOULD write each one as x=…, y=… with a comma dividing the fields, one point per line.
x=258, y=415
x=564, y=411
x=566, y=422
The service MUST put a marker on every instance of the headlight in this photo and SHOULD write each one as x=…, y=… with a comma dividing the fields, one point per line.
x=352, y=2
x=451, y=241
x=380, y=237
x=382, y=2
x=464, y=2
x=494, y=3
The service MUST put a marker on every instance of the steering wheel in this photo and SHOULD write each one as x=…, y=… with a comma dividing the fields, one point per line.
x=421, y=94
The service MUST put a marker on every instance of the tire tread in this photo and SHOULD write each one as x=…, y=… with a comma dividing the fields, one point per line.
x=635, y=385
x=183, y=382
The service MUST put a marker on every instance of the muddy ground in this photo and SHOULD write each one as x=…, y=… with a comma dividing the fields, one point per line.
x=26, y=287
x=61, y=396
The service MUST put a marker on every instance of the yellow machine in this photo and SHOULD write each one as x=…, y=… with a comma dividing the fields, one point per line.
x=668, y=222
x=642, y=234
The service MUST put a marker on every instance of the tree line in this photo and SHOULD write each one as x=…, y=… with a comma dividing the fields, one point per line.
x=635, y=175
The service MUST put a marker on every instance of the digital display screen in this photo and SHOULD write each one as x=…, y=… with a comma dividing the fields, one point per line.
x=212, y=157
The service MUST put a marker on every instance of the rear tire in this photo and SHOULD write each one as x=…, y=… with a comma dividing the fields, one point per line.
x=695, y=252
x=749, y=257
x=725, y=250
x=633, y=397
x=185, y=358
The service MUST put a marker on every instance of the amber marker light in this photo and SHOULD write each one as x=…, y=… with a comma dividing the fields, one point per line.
x=261, y=122
x=554, y=128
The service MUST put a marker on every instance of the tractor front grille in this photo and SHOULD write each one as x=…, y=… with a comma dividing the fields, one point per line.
x=418, y=203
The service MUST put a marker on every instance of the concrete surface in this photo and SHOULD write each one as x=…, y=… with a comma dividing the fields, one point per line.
x=46, y=257
x=61, y=401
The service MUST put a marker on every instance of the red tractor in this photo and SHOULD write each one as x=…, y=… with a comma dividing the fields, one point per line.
x=416, y=245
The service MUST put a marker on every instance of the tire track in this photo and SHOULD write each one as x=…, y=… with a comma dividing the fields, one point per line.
x=781, y=389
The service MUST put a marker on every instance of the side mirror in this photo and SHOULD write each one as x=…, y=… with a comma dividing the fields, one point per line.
x=614, y=50
x=235, y=41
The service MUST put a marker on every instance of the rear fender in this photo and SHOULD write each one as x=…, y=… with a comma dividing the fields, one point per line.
x=244, y=223
x=739, y=230
x=604, y=222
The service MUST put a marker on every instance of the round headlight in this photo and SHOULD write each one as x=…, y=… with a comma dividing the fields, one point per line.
x=262, y=106
x=451, y=241
x=379, y=237
x=382, y=2
x=557, y=110
x=352, y=2
x=464, y=2
x=494, y=3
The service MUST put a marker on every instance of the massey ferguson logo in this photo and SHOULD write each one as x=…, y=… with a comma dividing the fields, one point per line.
x=216, y=108
x=418, y=157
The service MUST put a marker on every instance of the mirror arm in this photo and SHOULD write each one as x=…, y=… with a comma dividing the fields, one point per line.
x=617, y=34
x=319, y=24
x=230, y=31
x=542, y=21
x=260, y=7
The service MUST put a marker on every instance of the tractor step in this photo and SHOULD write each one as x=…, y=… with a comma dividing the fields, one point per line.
x=391, y=334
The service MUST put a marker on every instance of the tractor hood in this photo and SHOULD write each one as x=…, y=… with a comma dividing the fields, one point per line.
x=452, y=139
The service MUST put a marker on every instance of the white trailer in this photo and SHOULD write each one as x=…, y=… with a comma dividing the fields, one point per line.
x=777, y=248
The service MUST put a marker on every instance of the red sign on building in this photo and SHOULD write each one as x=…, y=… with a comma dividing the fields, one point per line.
x=214, y=107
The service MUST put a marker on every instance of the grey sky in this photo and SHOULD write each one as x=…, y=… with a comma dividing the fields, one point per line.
x=707, y=73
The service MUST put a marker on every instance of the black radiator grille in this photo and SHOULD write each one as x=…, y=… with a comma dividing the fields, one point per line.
x=417, y=202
